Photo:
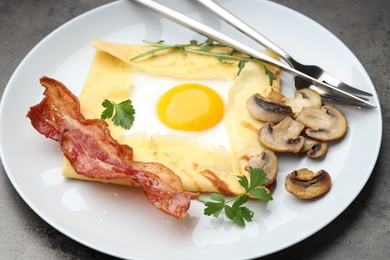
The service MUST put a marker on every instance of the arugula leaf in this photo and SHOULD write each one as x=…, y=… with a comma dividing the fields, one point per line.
x=236, y=212
x=151, y=52
x=241, y=65
x=199, y=48
x=124, y=113
x=270, y=75
x=204, y=49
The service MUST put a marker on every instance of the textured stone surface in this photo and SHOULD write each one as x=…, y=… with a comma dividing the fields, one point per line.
x=362, y=231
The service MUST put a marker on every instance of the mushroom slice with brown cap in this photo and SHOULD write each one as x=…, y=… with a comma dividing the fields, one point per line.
x=283, y=137
x=306, y=184
x=314, y=148
x=267, y=110
x=324, y=124
x=268, y=162
x=303, y=98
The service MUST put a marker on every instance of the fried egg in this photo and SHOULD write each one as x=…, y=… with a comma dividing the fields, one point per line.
x=189, y=109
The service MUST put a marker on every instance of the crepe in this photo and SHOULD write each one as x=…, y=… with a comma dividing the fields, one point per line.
x=201, y=168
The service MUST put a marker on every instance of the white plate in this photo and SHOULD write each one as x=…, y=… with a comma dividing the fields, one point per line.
x=118, y=220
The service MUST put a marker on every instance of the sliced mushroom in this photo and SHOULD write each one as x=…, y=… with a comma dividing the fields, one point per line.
x=324, y=124
x=306, y=184
x=268, y=162
x=303, y=98
x=283, y=137
x=275, y=96
x=314, y=148
x=267, y=110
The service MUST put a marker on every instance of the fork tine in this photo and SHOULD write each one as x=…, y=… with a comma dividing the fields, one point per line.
x=325, y=77
x=340, y=102
x=347, y=88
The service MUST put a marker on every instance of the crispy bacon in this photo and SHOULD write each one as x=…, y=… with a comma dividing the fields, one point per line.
x=88, y=145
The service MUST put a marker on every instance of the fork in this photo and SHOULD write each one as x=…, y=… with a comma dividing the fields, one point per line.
x=340, y=96
x=311, y=70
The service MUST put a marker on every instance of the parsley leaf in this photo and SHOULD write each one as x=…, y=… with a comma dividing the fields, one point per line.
x=217, y=197
x=270, y=75
x=261, y=194
x=236, y=212
x=214, y=208
x=241, y=200
x=124, y=113
x=257, y=177
x=243, y=180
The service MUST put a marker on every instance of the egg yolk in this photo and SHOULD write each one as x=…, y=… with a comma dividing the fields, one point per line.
x=190, y=107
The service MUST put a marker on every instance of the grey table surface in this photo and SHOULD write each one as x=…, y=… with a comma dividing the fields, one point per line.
x=362, y=231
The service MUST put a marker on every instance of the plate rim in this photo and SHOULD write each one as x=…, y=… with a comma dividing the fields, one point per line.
x=85, y=14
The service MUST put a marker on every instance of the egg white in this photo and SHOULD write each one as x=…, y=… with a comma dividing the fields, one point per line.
x=145, y=95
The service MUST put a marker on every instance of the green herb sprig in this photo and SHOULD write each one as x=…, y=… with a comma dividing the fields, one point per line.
x=270, y=75
x=204, y=49
x=124, y=113
x=237, y=212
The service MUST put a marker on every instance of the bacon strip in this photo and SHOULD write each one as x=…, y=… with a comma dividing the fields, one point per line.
x=88, y=145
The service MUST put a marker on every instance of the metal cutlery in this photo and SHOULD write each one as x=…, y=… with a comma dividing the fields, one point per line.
x=339, y=95
x=311, y=70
